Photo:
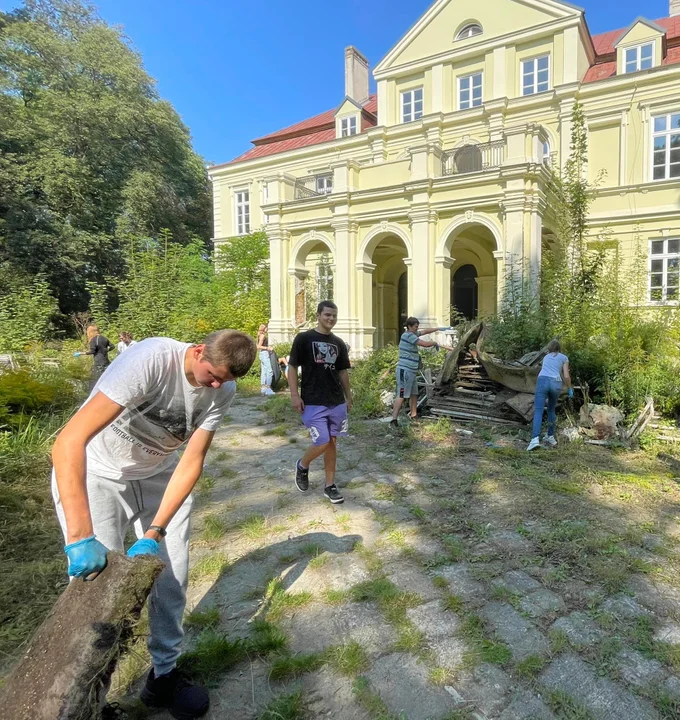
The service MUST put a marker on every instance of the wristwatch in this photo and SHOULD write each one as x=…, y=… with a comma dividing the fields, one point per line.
x=160, y=530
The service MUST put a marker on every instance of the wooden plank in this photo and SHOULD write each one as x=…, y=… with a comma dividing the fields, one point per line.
x=65, y=671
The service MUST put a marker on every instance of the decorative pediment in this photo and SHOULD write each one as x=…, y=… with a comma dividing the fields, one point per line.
x=439, y=30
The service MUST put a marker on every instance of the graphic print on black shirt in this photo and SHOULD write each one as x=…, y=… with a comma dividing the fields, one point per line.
x=321, y=358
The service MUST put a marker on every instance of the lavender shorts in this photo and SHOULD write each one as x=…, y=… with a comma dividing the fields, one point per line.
x=324, y=422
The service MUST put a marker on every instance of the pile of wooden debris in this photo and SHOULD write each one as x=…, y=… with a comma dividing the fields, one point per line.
x=474, y=385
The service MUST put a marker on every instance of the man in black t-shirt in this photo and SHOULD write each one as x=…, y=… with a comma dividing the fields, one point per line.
x=325, y=399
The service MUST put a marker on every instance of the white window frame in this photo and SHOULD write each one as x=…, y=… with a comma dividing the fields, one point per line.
x=409, y=99
x=471, y=102
x=638, y=61
x=324, y=184
x=469, y=31
x=671, y=161
x=536, y=86
x=348, y=126
x=242, y=211
x=546, y=153
x=664, y=257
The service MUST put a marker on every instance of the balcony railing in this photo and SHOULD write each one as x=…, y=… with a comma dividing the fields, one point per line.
x=313, y=186
x=474, y=158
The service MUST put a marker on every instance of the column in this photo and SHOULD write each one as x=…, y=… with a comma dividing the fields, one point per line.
x=486, y=295
x=442, y=278
x=500, y=277
x=345, y=293
x=279, y=326
x=421, y=270
x=534, y=251
x=366, y=329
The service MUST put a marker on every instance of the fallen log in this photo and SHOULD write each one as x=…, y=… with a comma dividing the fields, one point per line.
x=66, y=670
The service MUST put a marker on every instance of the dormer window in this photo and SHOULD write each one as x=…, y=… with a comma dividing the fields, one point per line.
x=348, y=126
x=640, y=57
x=469, y=31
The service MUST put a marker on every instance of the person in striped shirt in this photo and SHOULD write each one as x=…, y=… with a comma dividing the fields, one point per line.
x=407, y=366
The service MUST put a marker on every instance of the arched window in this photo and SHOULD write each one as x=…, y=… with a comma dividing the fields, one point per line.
x=468, y=159
x=469, y=31
x=546, y=153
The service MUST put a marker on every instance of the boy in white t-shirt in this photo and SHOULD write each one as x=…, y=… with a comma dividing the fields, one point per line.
x=116, y=466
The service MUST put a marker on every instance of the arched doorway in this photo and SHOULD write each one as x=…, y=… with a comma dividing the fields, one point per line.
x=465, y=292
x=311, y=272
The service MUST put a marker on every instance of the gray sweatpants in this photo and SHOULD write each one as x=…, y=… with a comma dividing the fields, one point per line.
x=116, y=505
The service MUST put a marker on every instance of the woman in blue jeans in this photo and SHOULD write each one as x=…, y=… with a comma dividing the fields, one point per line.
x=266, y=371
x=554, y=373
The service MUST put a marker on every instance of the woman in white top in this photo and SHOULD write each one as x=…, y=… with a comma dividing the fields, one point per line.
x=554, y=372
x=126, y=341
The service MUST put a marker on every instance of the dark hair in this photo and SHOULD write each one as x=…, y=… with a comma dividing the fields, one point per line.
x=554, y=346
x=232, y=348
x=325, y=304
x=410, y=322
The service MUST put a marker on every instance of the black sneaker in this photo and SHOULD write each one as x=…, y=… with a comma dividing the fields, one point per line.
x=113, y=711
x=332, y=493
x=301, y=477
x=394, y=424
x=172, y=691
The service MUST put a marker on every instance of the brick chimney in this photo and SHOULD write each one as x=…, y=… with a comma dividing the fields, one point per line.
x=674, y=8
x=356, y=74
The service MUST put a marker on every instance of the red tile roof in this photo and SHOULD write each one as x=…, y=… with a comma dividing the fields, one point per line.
x=604, y=43
x=314, y=130
x=321, y=128
x=605, y=62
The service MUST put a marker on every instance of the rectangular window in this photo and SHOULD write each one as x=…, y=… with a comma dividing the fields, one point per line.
x=324, y=184
x=348, y=126
x=242, y=212
x=412, y=105
x=324, y=280
x=664, y=270
x=470, y=91
x=536, y=75
x=666, y=146
x=639, y=58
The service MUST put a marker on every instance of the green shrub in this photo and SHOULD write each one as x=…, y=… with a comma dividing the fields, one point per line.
x=26, y=310
x=370, y=377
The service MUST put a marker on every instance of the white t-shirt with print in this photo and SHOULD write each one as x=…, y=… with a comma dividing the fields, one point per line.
x=162, y=410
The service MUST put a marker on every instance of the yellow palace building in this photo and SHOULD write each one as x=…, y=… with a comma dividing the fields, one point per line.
x=416, y=200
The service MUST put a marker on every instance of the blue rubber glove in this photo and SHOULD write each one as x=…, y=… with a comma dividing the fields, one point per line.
x=570, y=393
x=85, y=557
x=145, y=546
x=77, y=354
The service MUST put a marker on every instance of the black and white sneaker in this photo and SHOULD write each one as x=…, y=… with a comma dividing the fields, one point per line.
x=333, y=494
x=301, y=477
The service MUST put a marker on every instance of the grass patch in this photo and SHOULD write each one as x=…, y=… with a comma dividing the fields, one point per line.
x=440, y=676
x=482, y=649
x=280, y=430
x=209, y=567
x=349, y=659
x=642, y=637
x=228, y=473
x=370, y=701
x=285, y=707
x=336, y=597
x=214, y=528
x=203, y=618
x=254, y=527
x=370, y=557
x=418, y=513
x=391, y=601
x=294, y=666
x=279, y=602
x=317, y=562
x=531, y=667
x=213, y=655
x=453, y=603
x=559, y=641
x=566, y=707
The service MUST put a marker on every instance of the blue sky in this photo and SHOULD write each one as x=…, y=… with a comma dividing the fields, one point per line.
x=235, y=69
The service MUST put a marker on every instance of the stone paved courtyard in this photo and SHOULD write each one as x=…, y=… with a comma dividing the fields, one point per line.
x=460, y=579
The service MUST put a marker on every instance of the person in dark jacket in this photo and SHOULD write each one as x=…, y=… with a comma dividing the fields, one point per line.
x=99, y=348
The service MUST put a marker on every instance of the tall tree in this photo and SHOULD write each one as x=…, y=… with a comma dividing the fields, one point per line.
x=89, y=153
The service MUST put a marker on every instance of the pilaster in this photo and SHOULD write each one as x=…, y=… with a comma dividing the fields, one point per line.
x=421, y=289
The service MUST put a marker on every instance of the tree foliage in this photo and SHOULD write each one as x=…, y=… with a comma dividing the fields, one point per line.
x=89, y=154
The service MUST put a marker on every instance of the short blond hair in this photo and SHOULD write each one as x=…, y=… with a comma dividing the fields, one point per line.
x=231, y=348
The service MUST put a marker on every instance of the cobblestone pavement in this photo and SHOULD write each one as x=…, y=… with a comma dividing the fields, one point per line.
x=462, y=581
